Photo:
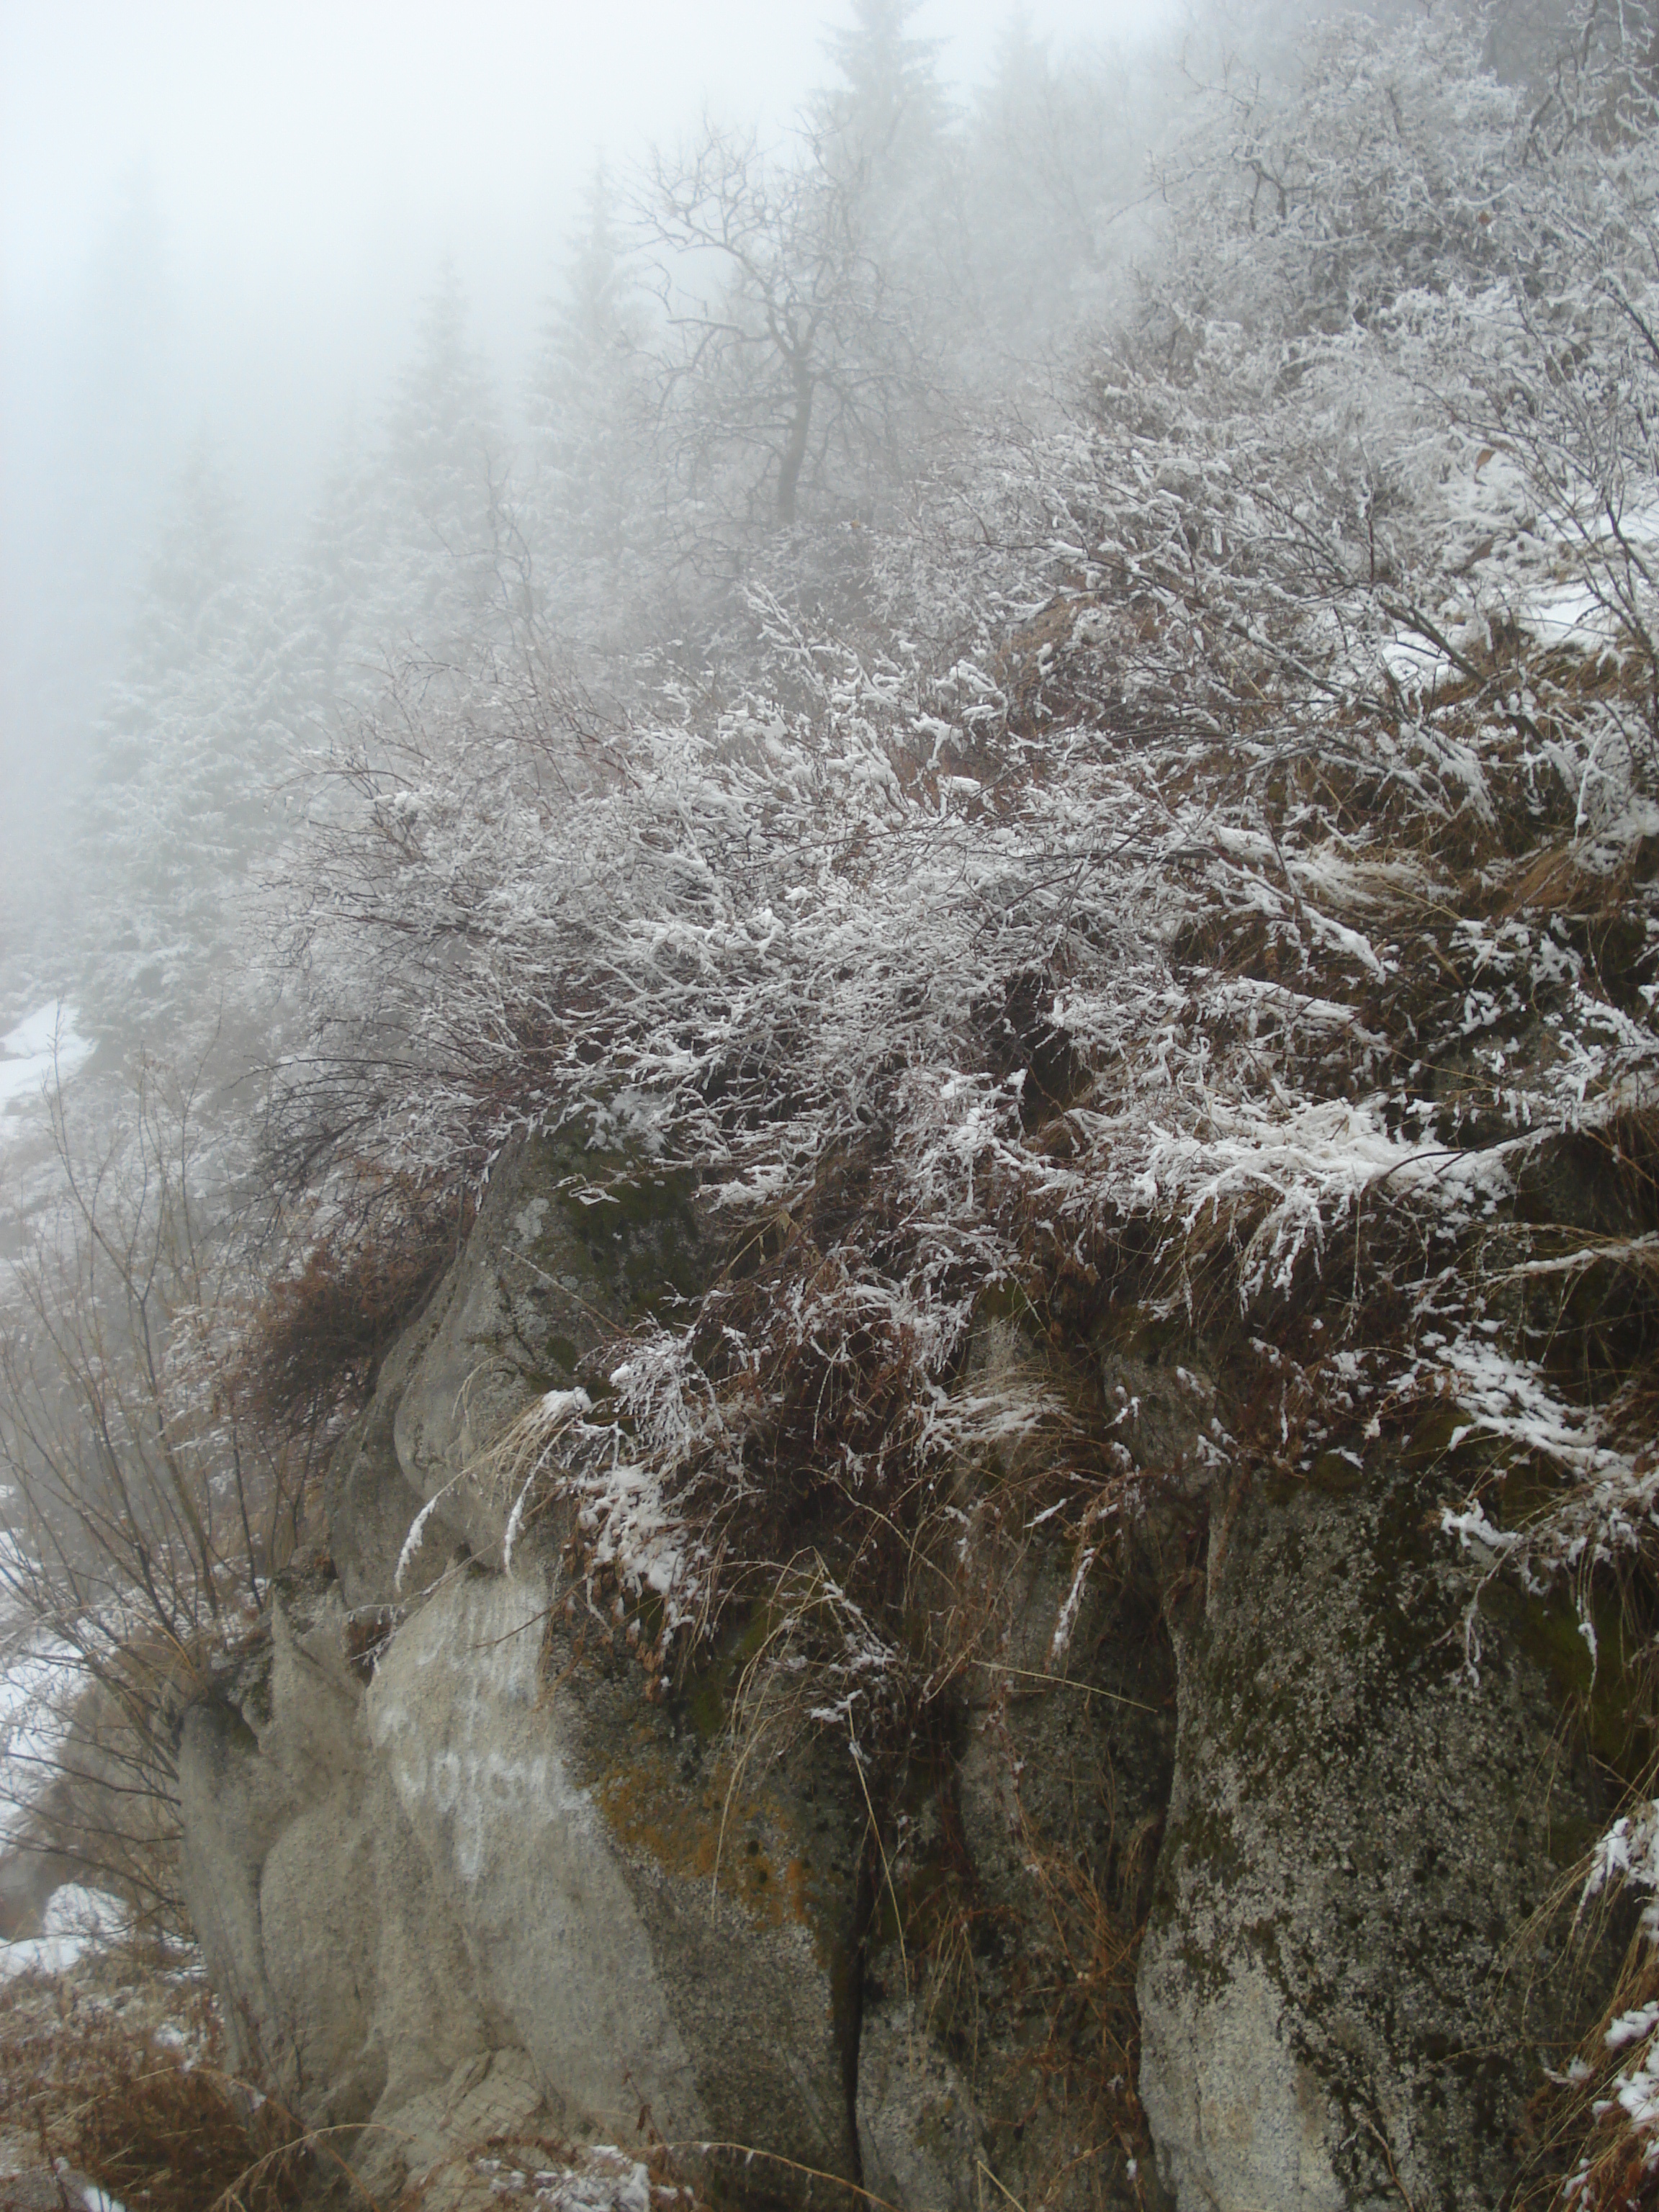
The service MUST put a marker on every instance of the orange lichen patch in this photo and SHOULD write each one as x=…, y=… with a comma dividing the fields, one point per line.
x=710, y=1833
x=798, y=1882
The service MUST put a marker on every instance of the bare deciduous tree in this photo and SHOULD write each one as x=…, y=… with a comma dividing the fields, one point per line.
x=144, y=1507
x=792, y=353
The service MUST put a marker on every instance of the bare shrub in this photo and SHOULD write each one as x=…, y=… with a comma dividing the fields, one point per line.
x=316, y=1337
x=147, y=1503
x=143, y=2110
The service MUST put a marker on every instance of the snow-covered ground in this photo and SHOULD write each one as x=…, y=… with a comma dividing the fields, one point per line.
x=40, y=1677
x=40, y=1682
x=36, y=1684
x=39, y=1685
x=45, y=1046
x=77, y=1920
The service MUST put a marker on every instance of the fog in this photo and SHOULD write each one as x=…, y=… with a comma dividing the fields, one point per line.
x=809, y=896
x=217, y=226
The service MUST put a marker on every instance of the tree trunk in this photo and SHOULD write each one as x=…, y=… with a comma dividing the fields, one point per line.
x=794, y=454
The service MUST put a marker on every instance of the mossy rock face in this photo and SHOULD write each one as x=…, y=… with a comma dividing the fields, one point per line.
x=1157, y=1385
x=495, y=1844
x=744, y=1871
x=635, y=1224
x=570, y=1245
x=1062, y=1787
x=772, y=1826
x=1016, y=1868
x=1350, y=1965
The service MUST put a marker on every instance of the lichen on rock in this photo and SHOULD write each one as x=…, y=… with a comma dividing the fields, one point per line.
x=1350, y=1966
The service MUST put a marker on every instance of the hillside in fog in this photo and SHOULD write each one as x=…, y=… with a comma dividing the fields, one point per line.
x=829, y=1293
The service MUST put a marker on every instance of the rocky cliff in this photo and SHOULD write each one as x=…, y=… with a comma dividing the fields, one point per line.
x=1216, y=1870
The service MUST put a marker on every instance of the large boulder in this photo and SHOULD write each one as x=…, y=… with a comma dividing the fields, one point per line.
x=581, y=1840
x=1346, y=1977
x=431, y=1819
x=448, y=1859
x=341, y=1969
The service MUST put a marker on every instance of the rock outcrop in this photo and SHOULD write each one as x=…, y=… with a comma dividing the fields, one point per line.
x=446, y=1861
x=462, y=1863
x=1347, y=1976
x=568, y=1246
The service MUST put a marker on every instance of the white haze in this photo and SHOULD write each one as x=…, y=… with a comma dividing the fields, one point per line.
x=219, y=221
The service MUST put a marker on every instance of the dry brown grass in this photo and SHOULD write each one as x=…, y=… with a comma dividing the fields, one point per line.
x=1088, y=2064
x=138, y=2102
x=1586, y=2155
x=550, y=2173
x=314, y=1344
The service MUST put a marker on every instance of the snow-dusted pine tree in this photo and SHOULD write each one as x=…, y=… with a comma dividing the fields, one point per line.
x=594, y=500
x=435, y=554
x=182, y=803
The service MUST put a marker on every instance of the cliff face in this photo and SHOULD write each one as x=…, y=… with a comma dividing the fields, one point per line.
x=1351, y=1967
x=1217, y=1873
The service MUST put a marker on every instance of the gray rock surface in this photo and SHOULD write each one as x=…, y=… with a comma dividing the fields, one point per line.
x=1021, y=1862
x=392, y=1884
x=421, y=1832
x=1338, y=2008
x=368, y=1503
x=482, y=1774
x=1029, y=1864
x=446, y=1860
x=343, y=1977
x=921, y=2140
x=567, y=1245
x=48, y=2188
x=491, y=2093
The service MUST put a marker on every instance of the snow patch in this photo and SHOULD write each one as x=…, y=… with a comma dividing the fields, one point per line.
x=76, y=1921
x=42, y=1048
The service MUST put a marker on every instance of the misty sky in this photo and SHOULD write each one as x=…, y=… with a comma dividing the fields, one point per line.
x=316, y=135
x=300, y=169
x=218, y=217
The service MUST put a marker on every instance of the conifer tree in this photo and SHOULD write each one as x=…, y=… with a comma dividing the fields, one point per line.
x=196, y=735
x=1055, y=160
x=589, y=504
x=436, y=500
x=888, y=112
x=416, y=554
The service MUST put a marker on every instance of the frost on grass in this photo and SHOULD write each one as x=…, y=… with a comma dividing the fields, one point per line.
x=595, y=2178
